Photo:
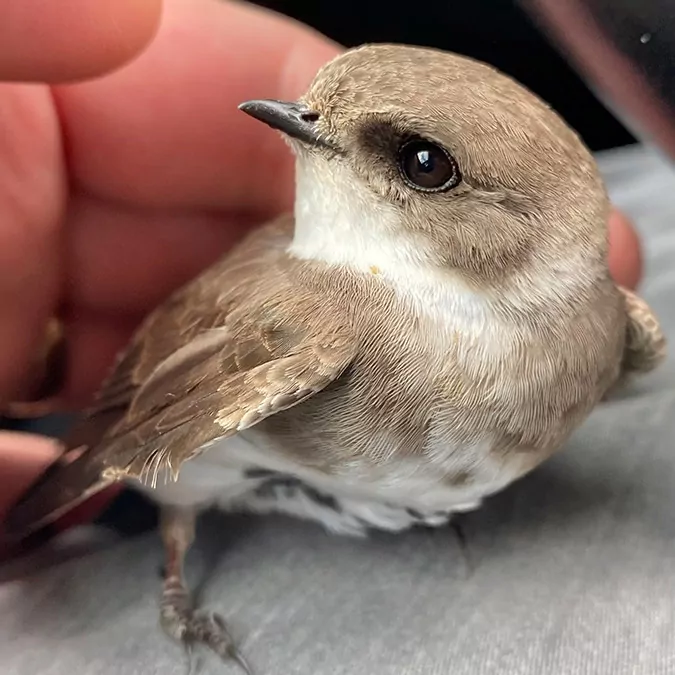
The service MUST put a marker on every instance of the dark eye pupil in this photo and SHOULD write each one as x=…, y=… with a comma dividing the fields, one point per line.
x=427, y=166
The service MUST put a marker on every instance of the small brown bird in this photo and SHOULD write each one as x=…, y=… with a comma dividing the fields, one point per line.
x=432, y=323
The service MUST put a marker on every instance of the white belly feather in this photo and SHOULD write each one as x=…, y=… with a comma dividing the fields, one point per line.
x=248, y=473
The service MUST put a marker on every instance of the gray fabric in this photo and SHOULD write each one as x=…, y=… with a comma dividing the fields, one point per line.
x=573, y=566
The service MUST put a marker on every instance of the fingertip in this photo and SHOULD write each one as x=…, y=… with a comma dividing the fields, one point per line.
x=60, y=42
x=22, y=454
x=625, y=251
x=22, y=457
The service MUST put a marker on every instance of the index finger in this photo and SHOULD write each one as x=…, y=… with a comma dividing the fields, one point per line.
x=165, y=130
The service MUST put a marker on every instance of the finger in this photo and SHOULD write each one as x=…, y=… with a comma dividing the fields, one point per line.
x=56, y=41
x=44, y=377
x=166, y=130
x=22, y=458
x=32, y=195
x=625, y=251
x=92, y=343
x=120, y=260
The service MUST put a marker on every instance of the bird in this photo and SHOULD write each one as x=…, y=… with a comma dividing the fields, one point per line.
x=430, y=323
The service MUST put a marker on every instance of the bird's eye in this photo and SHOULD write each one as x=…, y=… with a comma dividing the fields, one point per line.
x=427, y=167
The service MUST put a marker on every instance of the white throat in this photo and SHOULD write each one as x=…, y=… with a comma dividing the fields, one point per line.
x=338, y=222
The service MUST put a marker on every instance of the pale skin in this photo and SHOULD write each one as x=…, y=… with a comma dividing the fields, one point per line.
x=158, y=173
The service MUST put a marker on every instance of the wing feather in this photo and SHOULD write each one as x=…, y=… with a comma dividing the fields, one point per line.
x=186, y=404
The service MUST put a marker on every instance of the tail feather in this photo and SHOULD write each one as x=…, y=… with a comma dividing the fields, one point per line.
x=73, y=478
x=62, y=487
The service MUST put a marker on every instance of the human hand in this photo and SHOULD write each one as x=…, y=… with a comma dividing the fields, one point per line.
x=117, y=190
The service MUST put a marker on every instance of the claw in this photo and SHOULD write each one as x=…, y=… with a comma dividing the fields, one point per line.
x=189, y=653
x=225, y=645
x=235, y=655
x=231, y=651
x=203, y=628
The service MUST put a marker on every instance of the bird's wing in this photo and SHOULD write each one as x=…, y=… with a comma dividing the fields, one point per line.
x=214, y=359
x=67, y=482
x=219, y=383
x=645, y=345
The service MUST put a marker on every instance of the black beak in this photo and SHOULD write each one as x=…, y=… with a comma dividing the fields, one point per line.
x=294, y=119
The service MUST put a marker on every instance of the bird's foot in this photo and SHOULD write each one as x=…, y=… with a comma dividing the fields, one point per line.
x=191, y=628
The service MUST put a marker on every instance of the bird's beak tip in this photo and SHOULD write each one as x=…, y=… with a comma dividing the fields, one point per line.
x=294, y=119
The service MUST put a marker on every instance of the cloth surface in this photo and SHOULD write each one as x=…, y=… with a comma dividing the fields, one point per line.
x=570, y=571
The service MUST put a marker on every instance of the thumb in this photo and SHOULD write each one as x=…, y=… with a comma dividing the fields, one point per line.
x=56, y=41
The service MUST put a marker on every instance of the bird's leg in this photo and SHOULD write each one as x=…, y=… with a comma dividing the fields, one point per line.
x=178, y=617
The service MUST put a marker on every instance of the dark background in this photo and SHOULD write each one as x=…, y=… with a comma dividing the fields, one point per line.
x=495, y=31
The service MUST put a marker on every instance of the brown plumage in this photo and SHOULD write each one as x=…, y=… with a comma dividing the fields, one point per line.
x=399, y=348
